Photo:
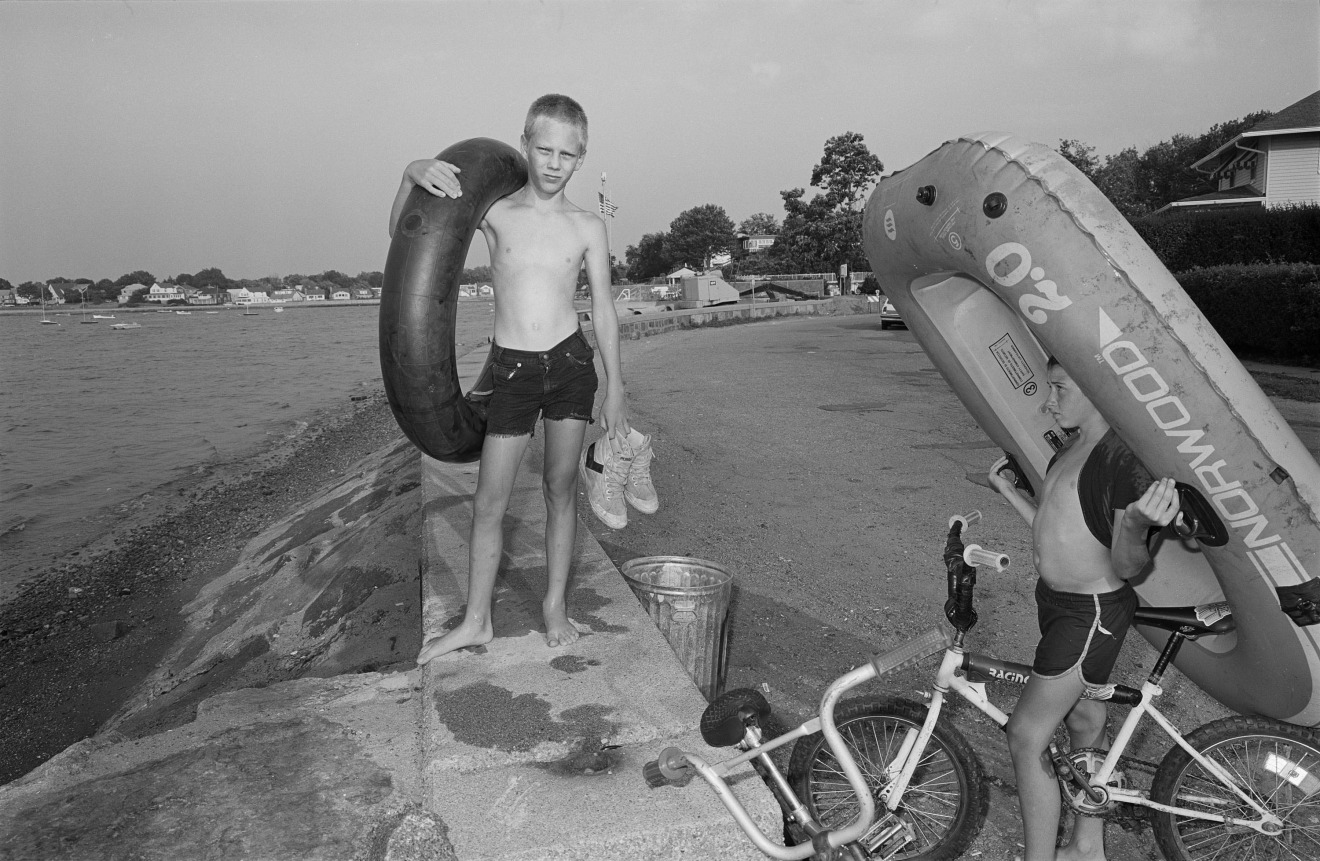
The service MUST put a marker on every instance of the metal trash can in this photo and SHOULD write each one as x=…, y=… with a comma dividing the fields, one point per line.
x=688, y=599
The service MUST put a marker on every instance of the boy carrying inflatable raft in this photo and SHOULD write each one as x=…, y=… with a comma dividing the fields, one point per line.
x=1090, y=532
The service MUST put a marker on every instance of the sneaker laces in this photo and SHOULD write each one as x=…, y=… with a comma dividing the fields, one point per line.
x=615, y=470
x=640, y=470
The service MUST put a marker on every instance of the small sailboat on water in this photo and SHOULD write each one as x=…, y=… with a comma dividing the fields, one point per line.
x=45, y=321
x=83, y=291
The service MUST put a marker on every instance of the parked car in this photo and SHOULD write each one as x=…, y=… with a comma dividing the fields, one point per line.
x=889, y=315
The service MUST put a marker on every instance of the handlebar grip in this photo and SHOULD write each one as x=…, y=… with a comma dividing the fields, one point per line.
x=966, y=520
x=912, y=652
x=976, y=555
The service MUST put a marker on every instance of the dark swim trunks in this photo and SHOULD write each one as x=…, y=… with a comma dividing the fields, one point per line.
x=1081, y=633
x=558, y=383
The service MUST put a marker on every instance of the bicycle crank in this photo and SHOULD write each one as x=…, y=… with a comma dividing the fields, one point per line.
x=1082, y=763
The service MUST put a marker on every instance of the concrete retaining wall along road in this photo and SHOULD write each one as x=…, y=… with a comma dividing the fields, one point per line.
x=659, y=322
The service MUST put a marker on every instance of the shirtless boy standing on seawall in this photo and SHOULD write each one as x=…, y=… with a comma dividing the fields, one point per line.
x=543, y=365
x=1089, y=532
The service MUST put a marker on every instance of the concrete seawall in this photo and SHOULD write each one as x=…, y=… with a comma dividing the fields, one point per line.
x=520, y=752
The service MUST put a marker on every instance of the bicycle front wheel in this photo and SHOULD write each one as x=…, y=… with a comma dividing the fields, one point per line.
x=1277, y=764
x=945, y=802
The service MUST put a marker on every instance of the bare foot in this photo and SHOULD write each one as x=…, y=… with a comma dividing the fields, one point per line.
x=1071, y=853
x=468, y=633
x=559, y=629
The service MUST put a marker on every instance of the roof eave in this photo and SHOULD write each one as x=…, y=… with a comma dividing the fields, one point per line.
x=1229, y=201
x=1300, y=130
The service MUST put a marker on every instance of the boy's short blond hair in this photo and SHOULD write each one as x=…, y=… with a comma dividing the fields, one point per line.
x=557, y=107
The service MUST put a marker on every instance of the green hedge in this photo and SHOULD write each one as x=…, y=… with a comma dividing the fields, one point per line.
x=1183, y=241
x=1268, y=311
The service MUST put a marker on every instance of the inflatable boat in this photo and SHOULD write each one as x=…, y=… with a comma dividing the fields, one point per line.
x=419, y=302
x=999, y=254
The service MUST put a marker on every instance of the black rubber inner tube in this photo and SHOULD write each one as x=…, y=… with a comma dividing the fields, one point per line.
x=419, y=301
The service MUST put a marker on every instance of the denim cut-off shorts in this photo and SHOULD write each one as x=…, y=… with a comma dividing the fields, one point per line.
x=558, y=383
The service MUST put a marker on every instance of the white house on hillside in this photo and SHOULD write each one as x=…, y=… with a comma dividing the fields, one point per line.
x=163, y=293
x=1274, y=163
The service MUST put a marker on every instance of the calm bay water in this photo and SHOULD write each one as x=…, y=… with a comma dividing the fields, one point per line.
x=93, y=419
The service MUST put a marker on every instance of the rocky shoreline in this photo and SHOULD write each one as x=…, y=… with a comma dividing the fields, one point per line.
x=77, y=643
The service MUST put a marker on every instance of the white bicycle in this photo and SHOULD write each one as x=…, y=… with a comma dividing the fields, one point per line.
x=886, y=778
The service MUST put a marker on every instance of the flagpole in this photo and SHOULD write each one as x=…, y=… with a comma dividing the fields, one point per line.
x=609, y=247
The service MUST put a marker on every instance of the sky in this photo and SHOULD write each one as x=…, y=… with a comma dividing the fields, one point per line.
x=269, y=138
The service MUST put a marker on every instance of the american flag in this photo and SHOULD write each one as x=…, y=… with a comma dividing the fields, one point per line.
x=606, y=205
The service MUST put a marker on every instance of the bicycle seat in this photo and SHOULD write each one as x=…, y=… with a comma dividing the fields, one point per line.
x=1202, y=619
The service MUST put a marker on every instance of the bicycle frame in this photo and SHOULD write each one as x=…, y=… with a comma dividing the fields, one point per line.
x=947, y=679
x=909, y=653
x=675, y=766
x=823, y=722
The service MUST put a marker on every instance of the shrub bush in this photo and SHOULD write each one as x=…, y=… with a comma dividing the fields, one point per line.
x=1271, y=311
x=1184, y=241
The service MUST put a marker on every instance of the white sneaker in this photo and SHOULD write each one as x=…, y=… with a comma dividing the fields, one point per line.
x=639, y=491
x=604, y=473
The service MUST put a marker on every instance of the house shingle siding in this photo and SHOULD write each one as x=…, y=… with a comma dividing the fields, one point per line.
x=1294, y=169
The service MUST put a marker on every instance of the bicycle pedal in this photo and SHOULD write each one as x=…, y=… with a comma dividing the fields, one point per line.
x=888, y=838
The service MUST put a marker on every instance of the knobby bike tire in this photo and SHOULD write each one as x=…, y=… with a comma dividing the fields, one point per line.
x=946, y=800
x=1277, y=763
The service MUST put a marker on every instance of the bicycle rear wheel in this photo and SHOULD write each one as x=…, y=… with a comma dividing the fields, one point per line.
x=1277, y=764
x=945, y=802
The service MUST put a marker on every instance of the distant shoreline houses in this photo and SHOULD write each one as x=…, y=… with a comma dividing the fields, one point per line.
x=164, y=294
x=68, y=292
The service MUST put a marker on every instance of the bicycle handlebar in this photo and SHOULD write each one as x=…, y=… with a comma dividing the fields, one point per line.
x=965, y=520
x=975, y=554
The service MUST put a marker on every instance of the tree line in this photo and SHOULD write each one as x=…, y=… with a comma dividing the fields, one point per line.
x=816, y=235
x=107, y=290
x=1138, y=183
x=821, y=233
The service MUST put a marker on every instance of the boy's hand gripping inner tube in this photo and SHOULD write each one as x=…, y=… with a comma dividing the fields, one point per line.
x=419, y=301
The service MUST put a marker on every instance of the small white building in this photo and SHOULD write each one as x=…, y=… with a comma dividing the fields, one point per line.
x=675, y=278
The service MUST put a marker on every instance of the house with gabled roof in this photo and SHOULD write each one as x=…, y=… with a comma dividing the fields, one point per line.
x=126, y=292
x=164, y=293
x=60, y=292
x=1274, y=163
